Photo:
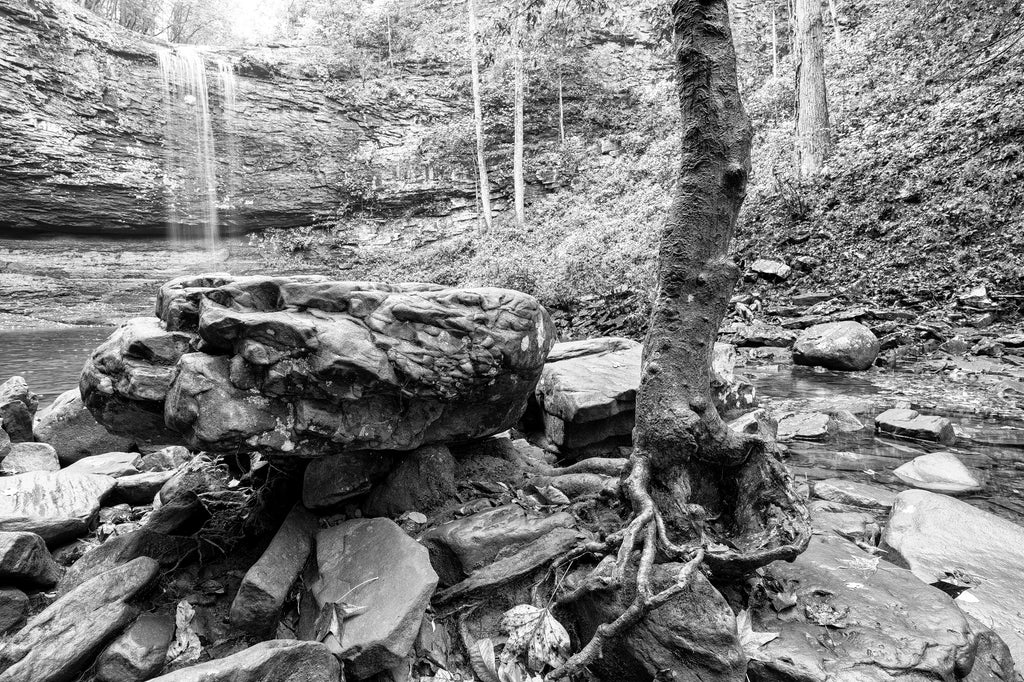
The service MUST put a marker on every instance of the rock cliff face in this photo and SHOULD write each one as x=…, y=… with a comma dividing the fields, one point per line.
x=82, y=134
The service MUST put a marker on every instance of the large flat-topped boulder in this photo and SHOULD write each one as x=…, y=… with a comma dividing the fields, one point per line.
x=309, y=366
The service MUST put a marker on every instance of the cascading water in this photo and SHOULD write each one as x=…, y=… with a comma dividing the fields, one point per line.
x=190, y=157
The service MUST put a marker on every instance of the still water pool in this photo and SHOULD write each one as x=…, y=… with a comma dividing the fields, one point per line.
x=50, y=359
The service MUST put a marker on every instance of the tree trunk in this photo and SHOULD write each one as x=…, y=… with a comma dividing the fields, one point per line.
x=478, y=117
x=835, y=22
x=561, y=110
x=775, y=45
x=813, y=142
x=518, y=181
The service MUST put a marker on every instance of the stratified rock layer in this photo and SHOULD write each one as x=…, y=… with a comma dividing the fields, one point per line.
x=310, y=366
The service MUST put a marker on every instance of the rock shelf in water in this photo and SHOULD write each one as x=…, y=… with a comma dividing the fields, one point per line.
x=309, y=366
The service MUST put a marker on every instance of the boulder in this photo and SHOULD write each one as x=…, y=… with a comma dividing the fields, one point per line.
x=939, y=472
x=587, y=391
x=166, y=550
x=113, y=464
x=854, y=494
x=857, y=617
x=24, y=560
x=70, y=428
x=329, y=481
x=692, y=638
x=13, y=609
x=279, y=660
x=848, y=521
x=373, y=563
x=165, y=459
x=459, y=547
x=60, y=641
x=936, y=535
x=905, y=423
x=26, y=457
x=423, y=481
x=139, y=653
x=992, y=659
x=56, y=505
x=17, y=408
x=771, y=270
x=309, y=366
x=139, y=489
x=262, y=593
x=806, y=426
x=846, y=346
x=5, y=443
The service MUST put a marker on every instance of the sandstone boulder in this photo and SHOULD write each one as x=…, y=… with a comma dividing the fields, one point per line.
x=329, y=481
x=13, y=608
x=17, y=408
x=70, y=428
x=24, y=560
x=939, y=472
x=113, y=464
x=310, y=366
x=26, y=457
x=846, y=346
x=56, y=505
x=423, y=481
x=854, y=494
x=906, y=423
x=936, y=535
x=373, y=563
x=771, y=270
x=139, y=653
x=59, y=642
x=279, y=660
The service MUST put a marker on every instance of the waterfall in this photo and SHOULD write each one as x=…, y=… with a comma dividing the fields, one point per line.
x=190, y=158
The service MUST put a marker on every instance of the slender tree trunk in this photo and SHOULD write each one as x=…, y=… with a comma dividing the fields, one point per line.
x=775, y=44
x=561, y=110
x=835, y=22
x=478, y=117
x=518, y=180
x=813, y=143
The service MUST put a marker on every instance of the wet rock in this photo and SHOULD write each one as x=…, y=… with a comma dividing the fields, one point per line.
x=280, y=660
x=139, y=653
x=806, y=426
x=423, y=481
x=17, y=408
x=857, y=617
x=854, y=494
x=846, y=520
x=5, y=443
x=936, y=535
x=26, y=457
x=73, y=432
x=846, y=346
x=13, y=609
x=939, y=472
x=459, y=547
x=166, y=459
x=257, y=605
x=139, y=489
x=692, y=638
x=61, y=640
x=372, y=562
x=166, y=550
x=113, y=464
x=992, y=659
x=771, y=270
x=201, y=475
x=911, y=424
x=24, y=560
x=759, y=334
x=758, y=422
x=306, y=365
x=329, y=481
x=56, y=505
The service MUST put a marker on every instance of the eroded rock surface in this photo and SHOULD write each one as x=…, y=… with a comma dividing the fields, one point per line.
x=280, y=660
x=56, y=505
x=310, y=366
x=847, y=346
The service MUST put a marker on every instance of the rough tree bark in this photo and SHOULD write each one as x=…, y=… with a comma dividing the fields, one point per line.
x=699, y=491
x=813, y=141
x=518, y=180
x=478, y=118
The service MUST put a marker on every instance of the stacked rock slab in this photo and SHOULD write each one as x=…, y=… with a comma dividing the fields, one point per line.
x=310, y=366
x=587, y=392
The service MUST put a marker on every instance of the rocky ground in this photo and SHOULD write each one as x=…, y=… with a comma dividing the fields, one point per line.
x=126, y=559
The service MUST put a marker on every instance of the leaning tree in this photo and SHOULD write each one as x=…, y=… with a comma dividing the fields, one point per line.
x=700, y=492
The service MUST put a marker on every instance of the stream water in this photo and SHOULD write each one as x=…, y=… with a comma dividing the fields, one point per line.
x=988, y=415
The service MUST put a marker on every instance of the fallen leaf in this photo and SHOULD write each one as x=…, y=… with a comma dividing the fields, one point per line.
x=538, y=634
x=750, y=640
x=482, y=660
x=186, y=647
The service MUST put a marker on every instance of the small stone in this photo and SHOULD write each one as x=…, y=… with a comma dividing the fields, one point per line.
x=845, y=346
x=113, y=464
x=806, y=426
x=854, y=494
x=166, y=459
x=906, y=423
x=24, y=560
x=334, y=479
x=372, y=562
x=13, y=608
x=771, y=270
x=70, y=428
x=939, y=472
x=257, y=605
x=26, y=457
x=139, y=652
x=424, y=480
x=279, y=660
